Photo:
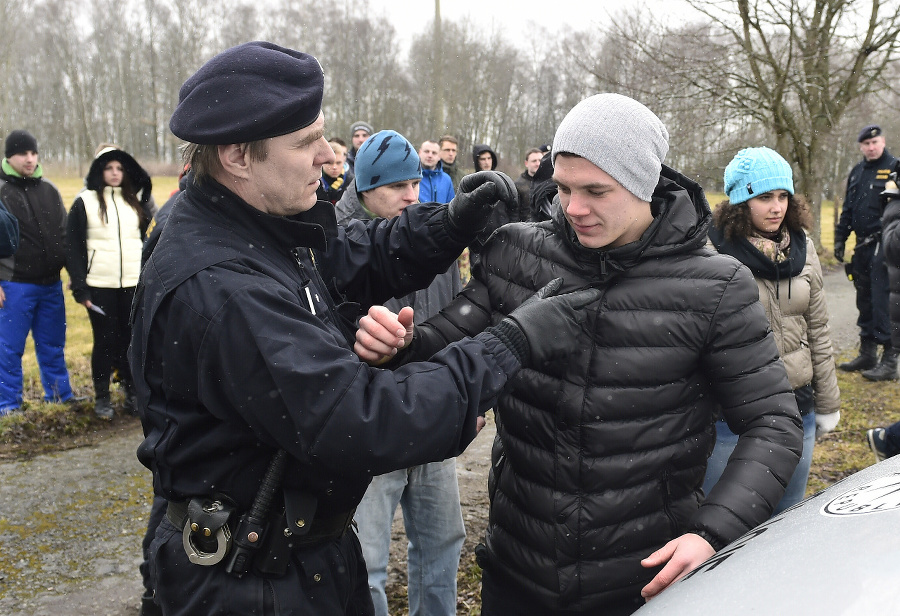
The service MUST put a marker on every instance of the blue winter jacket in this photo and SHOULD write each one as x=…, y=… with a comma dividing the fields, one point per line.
x=436, y=186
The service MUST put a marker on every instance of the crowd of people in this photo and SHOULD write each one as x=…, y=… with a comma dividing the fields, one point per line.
x=298, y=342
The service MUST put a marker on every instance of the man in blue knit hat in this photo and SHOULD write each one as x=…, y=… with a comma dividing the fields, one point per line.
x=388, y=172
x=861, y=215
x=263, y=428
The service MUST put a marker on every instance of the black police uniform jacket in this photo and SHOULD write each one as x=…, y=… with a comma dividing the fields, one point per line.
x=239, y=349
x=599, y=458
x=862, y=205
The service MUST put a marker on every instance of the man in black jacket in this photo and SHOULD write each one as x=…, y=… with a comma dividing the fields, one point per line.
x=30, y=287
x=263, y=428
x=525, y=183
x=595, y=484
x=861, y=214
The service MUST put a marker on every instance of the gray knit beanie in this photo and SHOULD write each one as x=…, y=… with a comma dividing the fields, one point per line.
x=620, y=136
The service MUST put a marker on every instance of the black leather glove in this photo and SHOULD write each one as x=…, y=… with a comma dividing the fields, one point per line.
x=839, y=250
x=479, y=193
x=542, y=328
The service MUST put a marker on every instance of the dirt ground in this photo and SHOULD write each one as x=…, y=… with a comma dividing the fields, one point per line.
x=71, y=521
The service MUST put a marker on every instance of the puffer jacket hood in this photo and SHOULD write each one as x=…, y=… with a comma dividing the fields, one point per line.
x=140, y=179
x=675, y=228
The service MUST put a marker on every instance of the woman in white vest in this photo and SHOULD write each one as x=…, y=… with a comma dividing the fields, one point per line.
x=105, y=232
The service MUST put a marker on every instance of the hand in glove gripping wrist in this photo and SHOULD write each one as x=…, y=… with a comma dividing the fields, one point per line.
x=479, y=193
x=544, y=326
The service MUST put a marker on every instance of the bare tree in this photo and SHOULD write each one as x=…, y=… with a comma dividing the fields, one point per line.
x=796, y=67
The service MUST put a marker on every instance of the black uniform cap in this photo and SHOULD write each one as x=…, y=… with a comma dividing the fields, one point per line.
x=873, y=130
x=250, y=92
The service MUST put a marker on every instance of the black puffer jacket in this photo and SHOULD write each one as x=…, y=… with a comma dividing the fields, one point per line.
x=599, y=459
x=890, y=241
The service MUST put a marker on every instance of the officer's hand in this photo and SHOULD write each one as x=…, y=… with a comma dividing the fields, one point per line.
x=381, y=333
x=826, y=423
x=839, y=251
x=550, y=322
x=2, y=297
x=479, y=193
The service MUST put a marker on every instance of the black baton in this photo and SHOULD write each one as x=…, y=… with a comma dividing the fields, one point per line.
x=251, y=529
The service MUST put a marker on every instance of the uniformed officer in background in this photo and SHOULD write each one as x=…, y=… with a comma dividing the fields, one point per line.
x=861, y=214
x=263, y=426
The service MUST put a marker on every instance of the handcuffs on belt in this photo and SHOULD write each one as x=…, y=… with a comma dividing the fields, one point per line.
x=207, y=521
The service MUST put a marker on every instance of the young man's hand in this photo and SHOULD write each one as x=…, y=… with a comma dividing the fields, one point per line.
x=382, y=333
x=681, y=556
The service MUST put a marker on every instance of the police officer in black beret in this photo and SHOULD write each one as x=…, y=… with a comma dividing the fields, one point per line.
x=861, y=214
x=263, y=427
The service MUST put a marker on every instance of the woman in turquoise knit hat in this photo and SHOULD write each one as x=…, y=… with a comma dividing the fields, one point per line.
x=762, y=224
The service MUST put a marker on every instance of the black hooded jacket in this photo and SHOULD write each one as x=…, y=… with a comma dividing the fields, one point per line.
x=41, y=216
x=599, y=458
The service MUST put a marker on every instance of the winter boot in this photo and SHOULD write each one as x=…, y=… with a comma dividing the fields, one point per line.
x=103, y=408
x=886, y=370
x=867, y=359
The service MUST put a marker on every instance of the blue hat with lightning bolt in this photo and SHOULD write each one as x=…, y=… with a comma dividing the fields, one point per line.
x=384, y=158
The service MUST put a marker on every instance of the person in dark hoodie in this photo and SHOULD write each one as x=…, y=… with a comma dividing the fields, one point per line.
x=31, y=296
x=762, y=224
x=597, y=467
x=106, y=228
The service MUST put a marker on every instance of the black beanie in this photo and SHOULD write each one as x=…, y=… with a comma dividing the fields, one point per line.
x=19, y=142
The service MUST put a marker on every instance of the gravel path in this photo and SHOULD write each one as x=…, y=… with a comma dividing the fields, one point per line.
x=71, y=523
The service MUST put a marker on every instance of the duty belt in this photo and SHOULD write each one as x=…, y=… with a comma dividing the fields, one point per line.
x=869, y=239
x=321, y=530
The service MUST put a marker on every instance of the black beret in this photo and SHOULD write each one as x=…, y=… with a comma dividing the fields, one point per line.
x=250, y=92
x=873, y=130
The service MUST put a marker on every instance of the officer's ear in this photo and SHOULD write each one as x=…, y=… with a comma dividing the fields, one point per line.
x=235, y=159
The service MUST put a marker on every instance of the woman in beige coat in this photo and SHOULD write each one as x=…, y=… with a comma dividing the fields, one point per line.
x=762, y=225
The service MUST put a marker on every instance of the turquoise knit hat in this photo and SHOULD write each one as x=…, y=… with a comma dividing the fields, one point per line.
x=754, y=171
x=384, y=158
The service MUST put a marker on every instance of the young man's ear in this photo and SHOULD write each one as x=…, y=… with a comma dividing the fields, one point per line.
x=235, y=159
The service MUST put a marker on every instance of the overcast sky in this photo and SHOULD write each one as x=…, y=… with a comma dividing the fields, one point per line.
x=512, y=16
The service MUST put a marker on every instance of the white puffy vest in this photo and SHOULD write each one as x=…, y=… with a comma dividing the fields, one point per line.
x=113, y=246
